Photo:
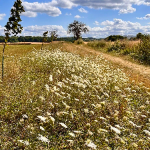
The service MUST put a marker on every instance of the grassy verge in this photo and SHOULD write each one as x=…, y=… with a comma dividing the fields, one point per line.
x=60, y=100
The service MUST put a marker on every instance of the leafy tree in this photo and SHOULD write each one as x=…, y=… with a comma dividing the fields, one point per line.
x=13, y=26
x=77, y=28
x=44, y=38
x=53, y=35
x=115, y=38
x=139, y=36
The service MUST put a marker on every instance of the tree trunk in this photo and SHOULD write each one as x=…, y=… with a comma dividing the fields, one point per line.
x=3, y=61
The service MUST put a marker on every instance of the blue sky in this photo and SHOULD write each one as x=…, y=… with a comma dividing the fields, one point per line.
x=102, y=17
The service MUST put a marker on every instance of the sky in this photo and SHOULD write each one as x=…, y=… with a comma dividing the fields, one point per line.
x=102, y=17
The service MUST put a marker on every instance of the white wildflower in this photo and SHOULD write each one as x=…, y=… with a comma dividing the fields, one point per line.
x=33, y=82
x=146, y=132
x=42, y=118
x=143, y=116
x=74, y=111
x=62, y=113
x=51, y=105
x=90, y=144
x=24, y=142
x=25, y=116
x=42, y=98
x=76, y=99
x=101, y=130
x=47, y=87
x=78, y=132
x=134, y=125
x=98, y=106
x=147, y=102
x=117, y=126
x=52, y=119
x=43, y=139
x=67, y=106
x=70, y=142
x=133, y=135
x=42, y=128
x=71, y=115
x=72, y=134
x=63, y=125
x=102, y=118
x=90, y=133
x=115, y=130
x=50, y=78
x=86, y=111
x=92, y=112
x=116, y=88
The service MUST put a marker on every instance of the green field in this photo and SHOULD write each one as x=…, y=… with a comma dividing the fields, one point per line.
x=51, y=99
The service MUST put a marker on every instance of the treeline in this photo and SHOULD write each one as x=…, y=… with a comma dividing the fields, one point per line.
x=40, y=39
x=69, y=39
x=24, y=39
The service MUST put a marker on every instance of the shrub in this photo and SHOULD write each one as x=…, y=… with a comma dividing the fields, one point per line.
x=97, y=44
x=144, y=49
x=79, y=41
x=117, y=46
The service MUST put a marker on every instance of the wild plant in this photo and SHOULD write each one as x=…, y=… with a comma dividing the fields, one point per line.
x=13, y=26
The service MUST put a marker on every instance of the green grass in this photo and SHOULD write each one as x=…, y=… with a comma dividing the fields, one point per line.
x=59, y=100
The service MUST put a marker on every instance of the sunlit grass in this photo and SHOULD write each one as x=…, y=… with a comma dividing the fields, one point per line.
x=59, y=100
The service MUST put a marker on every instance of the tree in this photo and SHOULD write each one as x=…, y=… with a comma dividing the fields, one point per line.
x=76, y=28
x=44, y=38
x=53, y=35
x=139, y=36
x=13, y=26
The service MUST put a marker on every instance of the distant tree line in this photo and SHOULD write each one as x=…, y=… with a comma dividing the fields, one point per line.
x=40, y=39
x=25, y=39
x=68, y=39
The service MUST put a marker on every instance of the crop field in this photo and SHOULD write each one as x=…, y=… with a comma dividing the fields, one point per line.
x=52, y=99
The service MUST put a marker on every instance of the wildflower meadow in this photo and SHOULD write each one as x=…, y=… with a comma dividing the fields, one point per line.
x=59, y=100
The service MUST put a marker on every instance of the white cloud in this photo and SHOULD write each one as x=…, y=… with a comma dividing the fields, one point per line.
x=29, y=14
x=128, y=10
x=33, y=8
x=52, y=8
x=124, y=6
x=38, y=30
x=117, y=27
x=107, y=23
x=63, y=3
x=2, y=16
x=1, y=30
x=77, y=16
x=146, y=17
x=96, y=23
x=68, y=14
x=83, y=10
x=114, y=27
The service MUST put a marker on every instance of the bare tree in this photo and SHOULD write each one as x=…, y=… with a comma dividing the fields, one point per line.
x=77, y=28
x=13, y=26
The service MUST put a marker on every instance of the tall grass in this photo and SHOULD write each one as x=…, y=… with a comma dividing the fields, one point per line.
x=98, y=44
x=62, y=101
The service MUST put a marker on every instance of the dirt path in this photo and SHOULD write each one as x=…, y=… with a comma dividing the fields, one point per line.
x=139, y=73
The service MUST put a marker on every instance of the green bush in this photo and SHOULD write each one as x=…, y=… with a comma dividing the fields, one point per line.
x=79, y=41
x=144, y=49
x=97, y=44
x=117, y=46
